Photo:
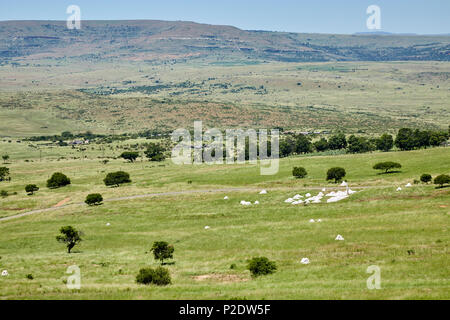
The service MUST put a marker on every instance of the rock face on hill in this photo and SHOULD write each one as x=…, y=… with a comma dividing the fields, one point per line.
x=150, y=40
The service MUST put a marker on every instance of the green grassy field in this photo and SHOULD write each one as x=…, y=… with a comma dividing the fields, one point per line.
x=379, y=225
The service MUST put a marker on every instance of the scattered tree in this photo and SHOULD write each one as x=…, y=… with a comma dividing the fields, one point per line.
x=321, y=145
x=130, y=156
x=425, y=178
x=5, y=158
x=116, y=178
x=4, y=173
x=336, y=174
x=302, y=144
x=441, y=180
x=30, y=189
x=159, y=276
x=299, y=172
x=162, y=251
x=337, y=142
x=387, y=166
x=260, y=266
x=94, y=199
x=155, y=152
x=58, y=180
x=70, y=236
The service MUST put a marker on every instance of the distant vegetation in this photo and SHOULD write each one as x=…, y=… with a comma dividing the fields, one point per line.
x=58, y=180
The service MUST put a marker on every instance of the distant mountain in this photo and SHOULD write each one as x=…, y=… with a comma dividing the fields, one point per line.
x=150, y=40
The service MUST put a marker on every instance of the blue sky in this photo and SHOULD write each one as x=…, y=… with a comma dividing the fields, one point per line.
x=323, y=16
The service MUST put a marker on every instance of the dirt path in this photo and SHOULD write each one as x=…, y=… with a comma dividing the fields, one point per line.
x=63, y=204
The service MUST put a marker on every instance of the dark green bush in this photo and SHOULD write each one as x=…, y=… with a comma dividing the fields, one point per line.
x=31, y=189
x=116, y=178
x=260, y=266
x=58, y=180
x=425, y=178
x=336, y=174
x=94, y=199
x=442, y=179
x=387, y=166
x=159, y=276
x=299, y=172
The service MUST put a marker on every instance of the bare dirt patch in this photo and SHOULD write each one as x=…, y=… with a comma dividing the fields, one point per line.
x=61, y=203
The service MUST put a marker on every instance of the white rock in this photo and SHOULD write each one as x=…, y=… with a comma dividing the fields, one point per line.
x=319, y=220
x=323, y=190
x=297, y=197
x=305, y=261
x=344, y=184
x=290, y=200
x=207, y=227
x=245, y=203
x=226, y=198
x=339, y=238
x=256, y=202
x=5, y=273
x=312, y=221
x=399, y=189
x=308, y=195
x=263, y=192
x=408, y=185
x=108, y=224
x=350, y=191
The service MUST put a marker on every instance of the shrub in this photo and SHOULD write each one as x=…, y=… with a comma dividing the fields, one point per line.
x=3, y=194
x=336, y=174
x=116, y=178
x=94, y=199
x=425, y=178
x=162, y=251
x=29, y=276
x=387, y=166
x=5, y=158
x=31, y=189
x=155, y=152
x=299, y=172
x=441, y=180
x=130, y=156
x=159, y=276
x=4, y=173
x=261, y=266
x=58, y=180
x=70, y=236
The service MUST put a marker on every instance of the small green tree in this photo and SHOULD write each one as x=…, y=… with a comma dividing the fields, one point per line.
x=5, y=158
x=336, y=174
x=299, y=172
x=94, y=199
x=58, y=180
x=155, y=152
x=159, y=276
x=425, y=178
x=387, y=166
x=70, y=236
x=441, y=180
x=30, y=189
x=162, y=251
x=130, y=156
x=260, y=266
x=116, y=178
x=4, y=173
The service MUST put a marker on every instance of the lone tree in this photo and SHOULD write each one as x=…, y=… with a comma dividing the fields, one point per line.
x=299, y=172
x=162, y=251
x=4, y=173
x=58, y=180
x=70, y=236
x=30, y=189
x=130, y=156
x=94, y=199
x=425, y=178
x=155, y=152
x=116, y=178
x=336, y=174
x=5, y=158
x=261, y=266
x=387, y=166
x=441, y=180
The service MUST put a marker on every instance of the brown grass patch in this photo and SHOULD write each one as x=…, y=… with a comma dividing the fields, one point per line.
x=227, y=278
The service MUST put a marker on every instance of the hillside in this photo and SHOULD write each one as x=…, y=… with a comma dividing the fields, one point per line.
x=159, y=40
